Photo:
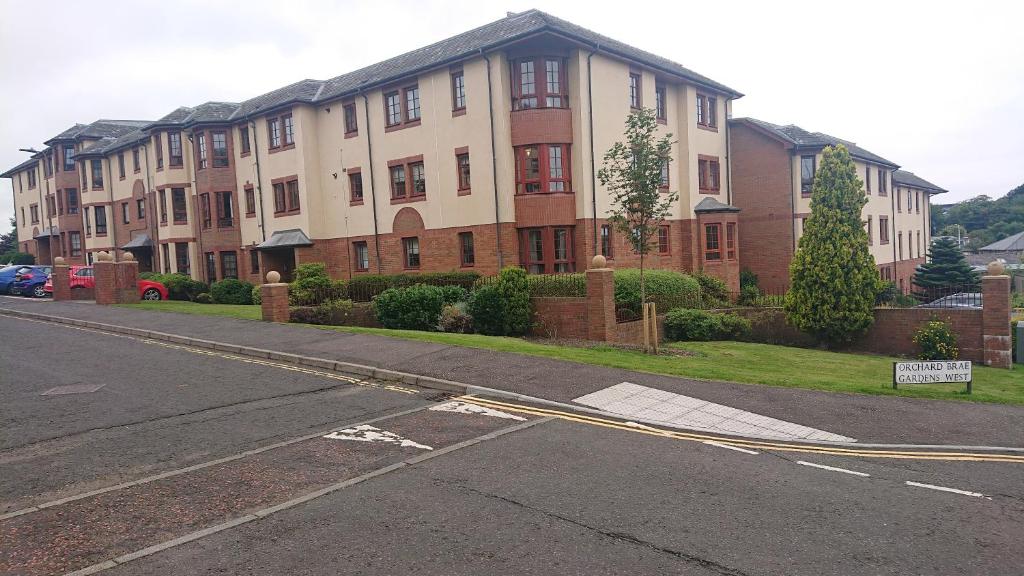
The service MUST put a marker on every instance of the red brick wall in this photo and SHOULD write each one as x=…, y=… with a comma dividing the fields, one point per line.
x=633, y=332
x=894, y=328
x=541, y=126
x=215, y=239
x=762, y=189
x=559, y=318
x=535, y=210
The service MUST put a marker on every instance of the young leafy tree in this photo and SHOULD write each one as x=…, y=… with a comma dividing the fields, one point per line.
x=632, y=174
x=833, y=277
x=9, y=241
x=946, y=269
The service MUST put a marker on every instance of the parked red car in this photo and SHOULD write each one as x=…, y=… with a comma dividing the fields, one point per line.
x=81, y=277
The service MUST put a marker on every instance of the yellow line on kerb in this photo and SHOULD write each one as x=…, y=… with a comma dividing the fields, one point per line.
x=730, y=441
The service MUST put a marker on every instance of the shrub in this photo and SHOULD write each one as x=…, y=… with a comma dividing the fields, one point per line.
x=257, y=295
x=734, y=327
x=937, y=341
x=515, y=290
x=204, y=298
x=149, y=276
x=21, y=258
x=750, y=295
x=699, y=325
x=180, y=287
x=714, y=293
x=455, y=319
x=747, y=278
x=487, y=309
x=331, y=312
x=665, y=288
x=231, y=291
x=364, y=288
x=314, y=290
x=416, y=307
x=310, y=270
x=452, y=294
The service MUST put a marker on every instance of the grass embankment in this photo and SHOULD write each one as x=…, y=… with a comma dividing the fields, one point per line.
x=728, y=361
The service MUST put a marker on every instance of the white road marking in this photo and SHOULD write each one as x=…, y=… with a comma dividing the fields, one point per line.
x=367, y=433
x=728, y=447
x=466, y=408
x=945, y=489
x=833, y=468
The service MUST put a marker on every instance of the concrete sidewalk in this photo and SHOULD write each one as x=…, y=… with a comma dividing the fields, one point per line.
x=867, y=418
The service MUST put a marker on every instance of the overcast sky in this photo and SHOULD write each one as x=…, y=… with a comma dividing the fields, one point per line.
x=937, y=87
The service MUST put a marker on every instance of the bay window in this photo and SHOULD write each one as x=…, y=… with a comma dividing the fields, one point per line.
x=548, y=91
x=548, y=249
x=543, y=168
x=712, y=242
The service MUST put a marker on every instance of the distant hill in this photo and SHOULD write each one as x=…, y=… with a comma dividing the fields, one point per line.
x=984, y=219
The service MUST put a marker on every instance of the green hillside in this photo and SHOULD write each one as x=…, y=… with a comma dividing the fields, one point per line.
x=985, y=220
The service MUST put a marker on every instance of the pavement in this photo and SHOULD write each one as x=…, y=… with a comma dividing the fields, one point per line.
x=153, y=458
x=869, y=419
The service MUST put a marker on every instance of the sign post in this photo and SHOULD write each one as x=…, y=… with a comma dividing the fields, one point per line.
x=932, y=372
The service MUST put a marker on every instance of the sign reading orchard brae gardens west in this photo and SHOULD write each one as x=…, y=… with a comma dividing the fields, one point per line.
x=932, y=372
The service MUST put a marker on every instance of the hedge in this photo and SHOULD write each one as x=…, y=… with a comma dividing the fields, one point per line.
x=231, y=291
x=415, y=307
x=179, y=286
x=365, y=287
x=687, y=324
x=667, y=289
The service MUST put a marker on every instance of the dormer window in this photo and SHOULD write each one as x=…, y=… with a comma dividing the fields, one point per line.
x=540, y=83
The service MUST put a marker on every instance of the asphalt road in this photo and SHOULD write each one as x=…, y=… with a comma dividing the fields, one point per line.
x=231, y=459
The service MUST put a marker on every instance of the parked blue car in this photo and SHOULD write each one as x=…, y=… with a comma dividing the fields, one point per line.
x=7, y=274
x=30, y=280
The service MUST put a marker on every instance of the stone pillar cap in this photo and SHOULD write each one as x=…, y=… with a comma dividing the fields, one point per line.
x=59, y=261
x=599, y=262
x=997, y=267
x=273, y=277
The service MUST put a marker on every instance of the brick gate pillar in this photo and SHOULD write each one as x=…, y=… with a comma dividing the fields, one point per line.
x=274, y=299
x=126, y=279
x=61, y=279
x=600, y=301
x=995, y=320
x=103, y=271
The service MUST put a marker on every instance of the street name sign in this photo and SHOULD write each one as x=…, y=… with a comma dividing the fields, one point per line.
x=932, y=372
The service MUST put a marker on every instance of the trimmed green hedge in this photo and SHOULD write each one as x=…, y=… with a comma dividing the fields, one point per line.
x=179, y=286
x=665, y=288
x=415, y=307
x=686, y=324
x=231, y=291
x=364, y=288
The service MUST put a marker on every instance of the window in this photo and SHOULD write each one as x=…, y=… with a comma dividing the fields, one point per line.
x=60, y=203
x=48, y=165
x=462, y=165
x=289, y=129
x=899, y=245
x=250, y=201
x=910, y=200
x=135, y=160
x=211, y=267
x=51, y=207
x=707, y=111
x=467, y=256
x=807, y=169
x=918, y=243
x=120, y=165
x=97, y=174
x=917, y=202
x=412, y=103
x=660, y=105
x=664, y=176
x=158, y=147
x=32, y=178
x=293, y=195
x=712, y=242
x=163, y=206
x=181, y=258
x=535, y=251
x=543, y=168
x=882, y=189
x=867, y=178
x=243, y=140
x=101, y=220
x=393, y=104
x=606, y=240
x=458, y=91
x=362, y=256
x=663, y=236
x=140, y=208
x=225, y=210
x=220, y=149
x=254, y=262
x=419, y=179
x=351, y=120
x=69, y=157
x=398, y=181
x=165, y=253
x=708, y=174
x=75, y=243
x=871, y=231
x=174, y=148
x=274, y=132
x=355, y=186
x=126, y=216
x=411, y=249
x=634, y=90
x=201, y=150
x=22, y=215
x=883, y=229
x=180, y=213
x=544, y=249
x=72, y=200
x=85, y=179
x=563, y=251
x=730, y=240
x=33, y=211
x=229, y=264
x=279, y=200
x=204, y=210
x=550, y=92
x=88, y=222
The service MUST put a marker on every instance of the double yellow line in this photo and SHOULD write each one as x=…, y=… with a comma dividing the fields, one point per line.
x=921, y=454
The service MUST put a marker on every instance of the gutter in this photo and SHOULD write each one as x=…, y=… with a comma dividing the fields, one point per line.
x=259, y=177
x=892, y=235
x=494, y=164
x=728, y=154
x=792, y=198
x=373, y=194
x=593, y=168
x=110, y=194
x=154, y=215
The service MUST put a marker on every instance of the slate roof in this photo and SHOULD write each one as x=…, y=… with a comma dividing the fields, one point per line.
x=804, y=139
x=285, y=239
x=140, y=241
x=24, y=165
x=710, y=204
x=105, y=146
x=99, y=129
x=207, y=112
x=904, y=178
x=301, y=91
x=1009, y=244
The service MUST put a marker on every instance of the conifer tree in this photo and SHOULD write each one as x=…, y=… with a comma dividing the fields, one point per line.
x=946, y=269
x=833, y=277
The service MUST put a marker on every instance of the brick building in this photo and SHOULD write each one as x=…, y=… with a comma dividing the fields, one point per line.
x=773, y=171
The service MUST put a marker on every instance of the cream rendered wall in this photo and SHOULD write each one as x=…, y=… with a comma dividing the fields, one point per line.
x=24, y=198
x=178, y=177
x=97, y=197
x=912, y=222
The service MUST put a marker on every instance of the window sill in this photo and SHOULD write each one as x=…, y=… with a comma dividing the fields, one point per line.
x=409, y=199
x=121, y=177
x=708, y=128
x=176, y=166
x=464, y=192
x=163, y=224
x=287, y=213
x=94, y=188
x=566, y=192
x=663, y=121
x=466, y=265
x=250, y=214
x=355, y=202
x=403, y=125
x=159, y=168
x=710, y=191
x=244, y=154
x=281, y=148
x=352, y=134
x=98, y=235
x=179, y=222
x=458, y=112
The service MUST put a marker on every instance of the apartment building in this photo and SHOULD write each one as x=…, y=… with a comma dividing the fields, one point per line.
x=472, y=153
x=773, y=170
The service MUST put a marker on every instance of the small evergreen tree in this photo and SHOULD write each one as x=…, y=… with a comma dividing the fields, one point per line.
x=833, y=277
x=632, y=173
x=9, y=240
x=946, y=270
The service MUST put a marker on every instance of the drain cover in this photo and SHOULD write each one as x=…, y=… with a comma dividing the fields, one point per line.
x=73, y=389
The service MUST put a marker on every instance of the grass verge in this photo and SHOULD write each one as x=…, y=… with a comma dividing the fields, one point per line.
x=226, y=310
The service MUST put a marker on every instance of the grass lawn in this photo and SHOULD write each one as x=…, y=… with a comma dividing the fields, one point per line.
x=728, y=361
